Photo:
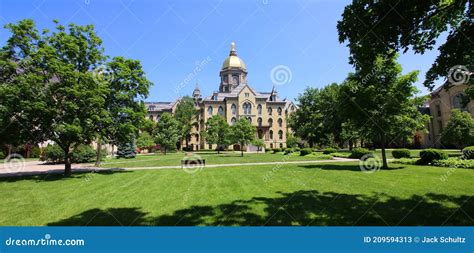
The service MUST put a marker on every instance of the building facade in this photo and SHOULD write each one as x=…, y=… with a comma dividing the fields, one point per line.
x=235, y=99
x=439, y=107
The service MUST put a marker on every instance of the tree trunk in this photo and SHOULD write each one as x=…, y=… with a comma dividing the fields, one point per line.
x=113, y=150
x=350, y=145
x=98, y=153
x=165, y=151
x=384, y=156
x=218, y=150
x=67, y=162
x=241, y=149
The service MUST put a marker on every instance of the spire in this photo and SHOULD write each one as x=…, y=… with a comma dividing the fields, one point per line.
x=197, y=91
x=232, y=49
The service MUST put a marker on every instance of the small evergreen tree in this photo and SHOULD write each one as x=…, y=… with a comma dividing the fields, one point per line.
x=126, y=149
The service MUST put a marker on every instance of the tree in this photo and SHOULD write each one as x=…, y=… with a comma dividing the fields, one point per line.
x=167, y=132
x=242, y=133
x=62, y=103
x=460, y=130
x=217, y=132
x=145, y=140
x=259, y=143
x=292, y=141
x=127, y=148
x=185, y=114
x=382, y=105
x=374, y=28
x=126, y=113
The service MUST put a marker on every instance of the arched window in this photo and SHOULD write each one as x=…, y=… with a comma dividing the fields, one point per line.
x=220, y=111
x=233, y=108
x=269, y=111
x=259, y=122
x=151, y=117
x=280, y=135
x=279, y=111
x=259, y=109
x=280, y=122
x=249, y=119
x=247, y=107
x=271, y=134
x=158, y=118
x=457, y=102
x=209, y=111
x=233, y=120
x=270, y=122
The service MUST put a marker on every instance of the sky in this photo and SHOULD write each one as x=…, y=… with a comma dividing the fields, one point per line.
x=289, y=44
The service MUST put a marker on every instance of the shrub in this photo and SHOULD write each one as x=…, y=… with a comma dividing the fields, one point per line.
x=428, y=156
x=358, y=153
x=328, y=151
x=268, y=150
x=289, y=151
x=454, y=163
x=83, y=154
x=401, y=153
x=276, y=150
x=2, y=155
x=35, y=152
x=297, y=149
x=468, y=152
x=306, y=151
x=411, y=161
x=53, y=153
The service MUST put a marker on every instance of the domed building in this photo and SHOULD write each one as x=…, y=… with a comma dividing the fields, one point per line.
x=236, y=99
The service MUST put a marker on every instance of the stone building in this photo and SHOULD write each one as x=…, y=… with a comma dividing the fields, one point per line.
x=235, y=99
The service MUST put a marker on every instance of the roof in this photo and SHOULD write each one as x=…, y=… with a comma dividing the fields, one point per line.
x=159, y=106
x=221, y=96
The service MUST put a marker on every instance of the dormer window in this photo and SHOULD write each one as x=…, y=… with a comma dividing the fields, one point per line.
x=247, y=94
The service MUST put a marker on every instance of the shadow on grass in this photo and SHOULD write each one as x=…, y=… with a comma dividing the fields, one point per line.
x=58, y=175
x=303, y=208
x=350, y=167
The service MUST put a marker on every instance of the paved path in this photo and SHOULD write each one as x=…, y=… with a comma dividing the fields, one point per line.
x=39, y=168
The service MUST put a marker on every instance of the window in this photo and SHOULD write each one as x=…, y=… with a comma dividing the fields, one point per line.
x=249, y=119
x=440, y=126
x=279, y=111
x=247, y=107
x=457, y=102
x=280, y=135
x=259, y=122
x=271, y=134
x=209, y=111
x=151, y=117
x=233, y=108
x=281, y=145
x=235, y=79
x=269, y=111
x=259, y=109
x=270, y=122
x=158, y=118
x=247, y=94
x=220, y=111
x=280, y=122
x=233, y=120
x=271, y=145
x=151, y=108
x=438, y=110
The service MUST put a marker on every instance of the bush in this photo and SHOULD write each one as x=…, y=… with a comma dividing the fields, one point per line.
x=289, y=151
x=2, y=155
x=268, y=150
x=428, y=156
x=454, y=163
x=401, y=153
x=276, y=150
x=358, y=153
x=468, y=153
x=328, y=151
x=53, y=153
x=297, y=149
x=35, y=152
x=411, y=161
x=306, y=151
x=83, y=154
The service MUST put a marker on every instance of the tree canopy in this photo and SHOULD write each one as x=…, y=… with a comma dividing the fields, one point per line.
x=243, y=133
x=460, y=130
x=167, y=132
x=217, y=132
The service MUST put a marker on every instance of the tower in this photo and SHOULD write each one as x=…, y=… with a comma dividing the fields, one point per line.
x=233, y=72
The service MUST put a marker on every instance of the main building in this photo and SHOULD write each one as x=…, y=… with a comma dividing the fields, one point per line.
x=235, y=99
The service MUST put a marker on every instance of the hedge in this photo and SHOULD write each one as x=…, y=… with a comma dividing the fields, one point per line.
x=468, y=152
x=358, y=153
x=306, y=151
x=401, y=153
x=328, y=151
x=428, y=156
x=276, y=150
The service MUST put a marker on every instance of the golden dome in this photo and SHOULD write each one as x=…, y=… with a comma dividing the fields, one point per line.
x=233, y=61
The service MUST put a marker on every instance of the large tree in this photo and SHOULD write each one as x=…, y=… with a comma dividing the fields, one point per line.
x=185, y=114
x=382, y=105
x=167, y=132
x=243, y=133
x=385, y=27
x=460, y=130
x=65, y=103
x=217, y=132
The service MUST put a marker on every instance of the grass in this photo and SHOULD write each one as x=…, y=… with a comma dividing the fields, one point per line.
x=415, y=153
x=154, y=160
x=290, y=194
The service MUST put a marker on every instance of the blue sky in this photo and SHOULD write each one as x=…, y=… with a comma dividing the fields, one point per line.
x=170, y=38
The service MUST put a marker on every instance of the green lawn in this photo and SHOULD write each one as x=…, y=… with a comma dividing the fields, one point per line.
x=292, y=194
x=159, y=159
x=414, y=152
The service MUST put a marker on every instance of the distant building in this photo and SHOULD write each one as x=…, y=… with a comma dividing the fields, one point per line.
x=234, y=100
